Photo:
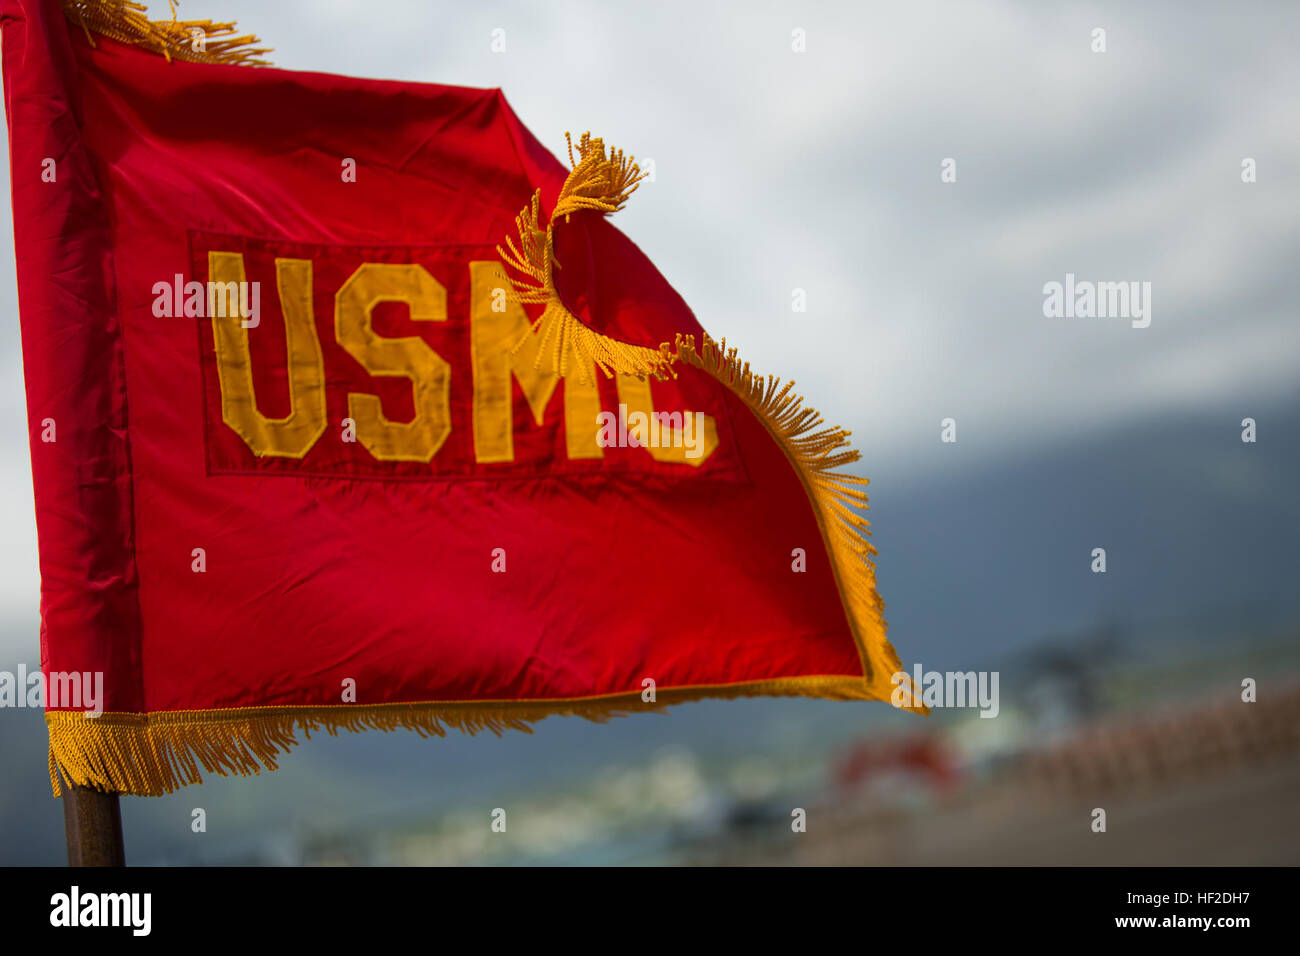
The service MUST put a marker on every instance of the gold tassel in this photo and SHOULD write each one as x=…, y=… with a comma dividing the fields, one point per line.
x=126, y=21
x=153, y=754
x=601, y=181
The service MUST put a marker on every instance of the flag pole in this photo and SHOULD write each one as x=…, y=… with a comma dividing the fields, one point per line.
x=92, y=823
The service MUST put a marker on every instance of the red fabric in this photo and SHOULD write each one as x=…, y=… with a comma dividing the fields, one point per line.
x=334, y=567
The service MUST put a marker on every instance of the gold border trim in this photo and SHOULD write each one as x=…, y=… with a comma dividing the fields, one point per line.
x=157, y=753
x=816, y=451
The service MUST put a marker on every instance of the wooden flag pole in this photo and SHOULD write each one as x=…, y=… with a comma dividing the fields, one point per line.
x=92, y=823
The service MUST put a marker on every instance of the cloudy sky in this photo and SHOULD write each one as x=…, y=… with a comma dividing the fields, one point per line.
x=819, y=170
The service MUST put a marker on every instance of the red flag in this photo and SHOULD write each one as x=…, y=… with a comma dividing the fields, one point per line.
x=326, y=432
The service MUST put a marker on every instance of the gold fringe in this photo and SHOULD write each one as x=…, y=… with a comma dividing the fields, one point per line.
x=817, y=453
x=126, y=21
x=154, y=754
x=600, y=181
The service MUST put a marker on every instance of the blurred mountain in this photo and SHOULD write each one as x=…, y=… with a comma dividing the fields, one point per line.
x=1199, y=528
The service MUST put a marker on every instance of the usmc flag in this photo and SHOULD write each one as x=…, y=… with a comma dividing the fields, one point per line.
x=351, y=409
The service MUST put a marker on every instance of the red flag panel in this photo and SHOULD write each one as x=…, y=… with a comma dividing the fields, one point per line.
x=326, y=457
